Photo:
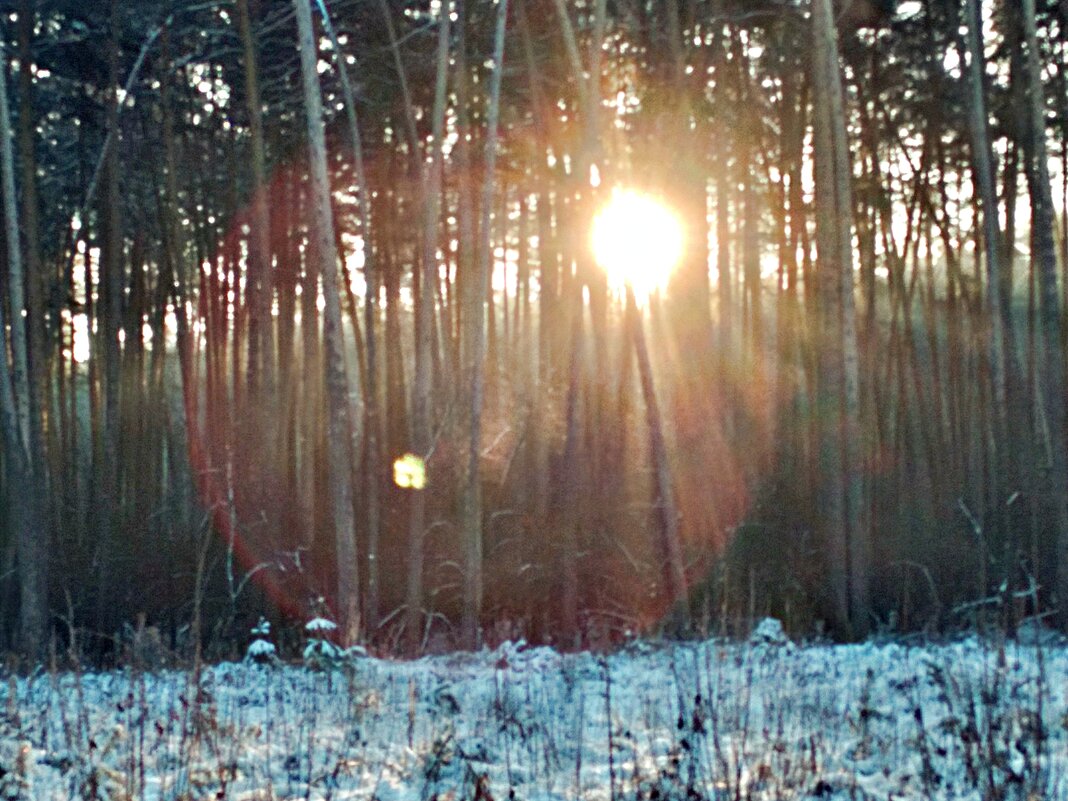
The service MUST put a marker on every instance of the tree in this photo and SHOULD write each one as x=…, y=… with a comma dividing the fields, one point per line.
x=337, y=384
x=476, y=317
x=843, y=519
x=1044, y=254
x=370, y=308
x=421, y=385
x=15, y=410
x=261, y=327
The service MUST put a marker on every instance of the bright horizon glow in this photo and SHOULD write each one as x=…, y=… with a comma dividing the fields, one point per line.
x=637, y=240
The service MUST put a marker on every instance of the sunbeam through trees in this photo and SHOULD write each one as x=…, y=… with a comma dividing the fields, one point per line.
x=456, y=321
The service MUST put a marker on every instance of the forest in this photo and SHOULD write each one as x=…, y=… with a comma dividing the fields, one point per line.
x=303, y=312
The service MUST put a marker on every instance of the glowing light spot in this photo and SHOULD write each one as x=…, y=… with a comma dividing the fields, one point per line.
x=81, y=338
x=409, y=472
x=638, y=241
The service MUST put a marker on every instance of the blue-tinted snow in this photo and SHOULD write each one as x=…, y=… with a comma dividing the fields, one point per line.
x=969, y=720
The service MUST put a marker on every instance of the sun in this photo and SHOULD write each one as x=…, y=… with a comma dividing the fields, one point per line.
x=638, y=241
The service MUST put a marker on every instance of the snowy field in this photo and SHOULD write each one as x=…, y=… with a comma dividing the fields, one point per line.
x=712, y=720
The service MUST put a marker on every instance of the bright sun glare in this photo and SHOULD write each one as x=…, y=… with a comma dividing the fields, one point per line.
x=637, y=240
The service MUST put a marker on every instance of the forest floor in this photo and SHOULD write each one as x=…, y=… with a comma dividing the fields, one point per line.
x=766, y=719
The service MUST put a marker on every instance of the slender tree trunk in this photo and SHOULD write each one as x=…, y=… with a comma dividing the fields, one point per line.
x=261, y=327
x=14, y=414
x=996, y=328
x=251, y=445
x=1044, y=256
x=174, y=280
x=370, y=314
x=567, y=489
x=858, y=516
x=472, y=525
x=421, y=385
x=32, y=264
x=670, y=544
x=835, y=279
x=111, y=285
x=337, y=383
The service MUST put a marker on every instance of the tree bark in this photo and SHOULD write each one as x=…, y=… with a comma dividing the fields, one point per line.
x=667, y=516
x=472, y=505
x=370, y=314
x=110, y=286
x=15, y=411
x=421, y=384
x=337, y=384
x=31, y=245
x=996, y=323
x=1044, y=255
x=261, y=328
x=846, y=536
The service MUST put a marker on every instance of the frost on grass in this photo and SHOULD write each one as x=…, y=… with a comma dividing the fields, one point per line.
x=687, y=721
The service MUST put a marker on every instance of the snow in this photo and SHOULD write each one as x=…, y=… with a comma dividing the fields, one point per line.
x=260, y=649
x=768, y=631
x=710, y=720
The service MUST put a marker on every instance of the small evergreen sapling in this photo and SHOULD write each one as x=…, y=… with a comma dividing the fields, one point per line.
x=320, y=653
x=261, y=650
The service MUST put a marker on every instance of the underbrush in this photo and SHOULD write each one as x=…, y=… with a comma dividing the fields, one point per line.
x=711, y=720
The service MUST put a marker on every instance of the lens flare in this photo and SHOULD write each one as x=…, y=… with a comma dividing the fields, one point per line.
x=409, y=472
x=638, y=241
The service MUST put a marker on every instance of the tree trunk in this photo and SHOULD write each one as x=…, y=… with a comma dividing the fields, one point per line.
x=14, y=415
x=846, y=535
x=110, y=289
x=261, y=327
x=337, y=384
x=476, y=315
x=370, y=313
x=667, y=516
x=174, y=284
x=1044, y=255
x=32, y=266
x=421, y=384
x=996, y=328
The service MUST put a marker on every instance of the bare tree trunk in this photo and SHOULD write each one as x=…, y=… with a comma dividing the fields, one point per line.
x=833, y=266
x=111, y=286
x=858, y=516
x=337, y=385
x=567, y=489
x=370, y=271
x=261, y=327
x=670, y=545
x=174, y=282
x=996, y=327
x=32, y=266
x=16, y=279
x=421, y=384
x=1052, y=384
x=472, y=524
x=14, y=414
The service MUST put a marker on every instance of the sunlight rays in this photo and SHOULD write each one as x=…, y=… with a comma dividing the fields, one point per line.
x=638, y=241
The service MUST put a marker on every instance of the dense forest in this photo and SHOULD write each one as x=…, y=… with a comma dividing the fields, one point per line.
x=299, y=314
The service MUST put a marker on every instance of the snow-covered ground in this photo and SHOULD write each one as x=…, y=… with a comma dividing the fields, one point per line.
x=713, y=720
